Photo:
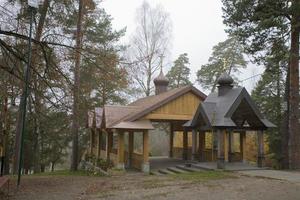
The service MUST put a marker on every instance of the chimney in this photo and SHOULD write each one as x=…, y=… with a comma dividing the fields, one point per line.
x=225, y=83
x=161, y=83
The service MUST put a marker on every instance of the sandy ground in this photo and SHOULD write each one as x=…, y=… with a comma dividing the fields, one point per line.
x=138, y=186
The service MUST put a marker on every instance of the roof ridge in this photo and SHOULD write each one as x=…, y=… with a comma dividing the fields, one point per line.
x=181, y=91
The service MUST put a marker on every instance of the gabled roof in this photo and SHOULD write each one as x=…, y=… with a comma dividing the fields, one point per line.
x=151, y=103
x=115, y=114
x=220, y=110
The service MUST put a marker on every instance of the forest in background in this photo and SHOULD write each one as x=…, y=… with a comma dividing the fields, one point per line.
x=78, y=63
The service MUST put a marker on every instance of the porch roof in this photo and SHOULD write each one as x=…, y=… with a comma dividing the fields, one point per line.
x=232, y=108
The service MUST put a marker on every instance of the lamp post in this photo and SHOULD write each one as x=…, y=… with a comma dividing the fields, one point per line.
x=33, y=5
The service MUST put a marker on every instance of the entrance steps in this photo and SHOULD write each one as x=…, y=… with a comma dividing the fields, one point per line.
x=178, y=169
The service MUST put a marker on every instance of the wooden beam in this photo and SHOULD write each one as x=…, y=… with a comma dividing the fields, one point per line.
x=121, y=152
x=108, y=145
x=99, y=143
x=231, y=146
x=91, y=140
x=169, y=117
x=194, y=144
x=171, y=144
x=221, y=139
x=146, y=166
x=201, y=148
x=260, y=149
x=243, y=145
x=130, y=147
x=185, y=145
x=226, y=146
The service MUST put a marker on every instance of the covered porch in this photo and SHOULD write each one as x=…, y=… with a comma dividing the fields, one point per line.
x=224, y=113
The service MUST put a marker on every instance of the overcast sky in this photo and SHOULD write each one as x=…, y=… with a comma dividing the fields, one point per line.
x=197, y=27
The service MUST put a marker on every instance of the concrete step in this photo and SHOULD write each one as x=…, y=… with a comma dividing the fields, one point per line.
x=166, y=171
x=193, y=165
x=187, y=169
x=156, y=173
x=176, y=170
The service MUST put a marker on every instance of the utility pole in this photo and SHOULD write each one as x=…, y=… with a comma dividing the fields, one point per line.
x=32, y=5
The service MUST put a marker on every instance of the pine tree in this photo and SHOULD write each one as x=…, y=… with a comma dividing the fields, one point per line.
x=260, y=24
x=226, y=57
x=179, y=74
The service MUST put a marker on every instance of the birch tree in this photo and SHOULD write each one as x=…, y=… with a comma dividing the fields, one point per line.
x=148, y=44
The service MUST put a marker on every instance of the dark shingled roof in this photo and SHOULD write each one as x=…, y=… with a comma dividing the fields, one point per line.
x=227, y=109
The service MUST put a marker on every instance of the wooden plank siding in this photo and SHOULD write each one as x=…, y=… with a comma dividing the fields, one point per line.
x=182, y=108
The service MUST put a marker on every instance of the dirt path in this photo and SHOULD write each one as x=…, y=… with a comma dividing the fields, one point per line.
x=139, y=186
x=290, y=176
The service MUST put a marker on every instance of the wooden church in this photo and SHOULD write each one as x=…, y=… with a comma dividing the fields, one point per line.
x=189, y=113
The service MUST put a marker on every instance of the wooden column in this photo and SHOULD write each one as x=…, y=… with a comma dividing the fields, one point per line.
x=146, y=166
x=231, y=146
x=260, y=149
x=92, y=140
x=185, y=145
x=221, y=139
x=243, y=146
x=108, y=144
x=226, y=147
x=201, y=149
x=99, y=143
x=194, y=144
x=130, y=147
x=121, y=153
x=171, y=144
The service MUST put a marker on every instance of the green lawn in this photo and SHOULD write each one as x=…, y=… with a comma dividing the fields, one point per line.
x=66, y=173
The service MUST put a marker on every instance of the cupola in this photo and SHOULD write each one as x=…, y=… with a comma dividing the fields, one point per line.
x=161, y=83
x=225, y=83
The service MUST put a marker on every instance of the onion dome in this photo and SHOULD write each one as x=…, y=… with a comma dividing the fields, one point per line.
x=225, y=79
x=161, y=83
x=161, y=79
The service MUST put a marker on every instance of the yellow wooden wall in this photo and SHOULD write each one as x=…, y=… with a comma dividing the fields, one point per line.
x=182, y=108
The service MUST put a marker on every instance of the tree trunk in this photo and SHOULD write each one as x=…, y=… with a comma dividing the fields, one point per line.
x=37, y=103
x=284, y=127
x=294, y=136
x=52, y=166
x=38, y=35
x=75, y=123
x=6, y=126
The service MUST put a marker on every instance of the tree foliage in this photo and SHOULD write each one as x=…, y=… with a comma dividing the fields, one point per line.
x=261, y=24
x=102, y=78
x=179, y=74
x=149, y=43
x=269, y=94
x=226, y=57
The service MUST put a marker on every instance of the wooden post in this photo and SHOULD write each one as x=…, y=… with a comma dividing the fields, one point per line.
x=194, y=144
x=243, y=146
x=201, y=149
x=185, y=145
x=221, y=138
x=130, y=147
x=226, y=146
x=121, y=159
x=146, y=166
x=171, y=140
x=231, y=146
x=99, y=143
x=260, y=149
x=92, y=140
x=108, y=145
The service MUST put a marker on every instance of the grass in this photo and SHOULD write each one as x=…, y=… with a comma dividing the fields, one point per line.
x=203, y=176
x=66, y=173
